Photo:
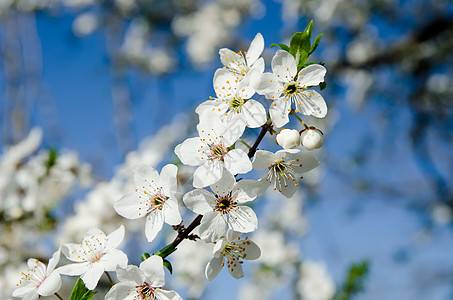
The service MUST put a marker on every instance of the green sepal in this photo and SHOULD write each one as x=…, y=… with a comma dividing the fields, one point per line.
x=145, y=256
x=315, y=43
x=322, y=85
x=282, y=46
x=167, y=265
x=166, y=251
x=80, y=292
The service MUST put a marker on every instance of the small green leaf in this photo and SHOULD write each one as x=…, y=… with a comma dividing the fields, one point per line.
x=80, y=292
x=316, y=43
x=167, y=265
x=282, y=46
x=322, y=85
x=299, y=47
x=144, y=256
x=309, y=29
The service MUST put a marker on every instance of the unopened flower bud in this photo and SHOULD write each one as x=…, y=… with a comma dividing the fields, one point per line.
x=311, y=138
x=288, y=138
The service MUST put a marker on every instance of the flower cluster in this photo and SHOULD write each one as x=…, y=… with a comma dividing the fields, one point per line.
x=223, y=195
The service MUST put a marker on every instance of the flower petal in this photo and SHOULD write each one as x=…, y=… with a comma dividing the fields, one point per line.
x=263, y=159
x=53, y=261
x=312, y=75
x=153, y=267
x=92, y=275
x=213, y=267
x=114, y=258
x=131, y=273
x=243, y=219
x=279, y=111
x=254, y=113
x=235, y=270
x=167, y=179
x=114, y=239
x=74, y=269
x=198, y=201
x=255, y=49
x=208, y=173
x=73, y=252
x=289, y=190
x=188, y=151
x=50, y=285
x=212, y=227
x=130, y=206
x=122, y=291
x=170, y=295
x=171, y=212
x=303, y=163
x=237, y=161
x=267, y=85
x=312, y=103
x=154, y=222
x=225, y=185
x=284, y=66
x=143, y=174
x=252, y=251
x=248, y=189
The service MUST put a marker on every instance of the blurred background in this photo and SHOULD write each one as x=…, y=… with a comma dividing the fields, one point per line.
x=90, y=88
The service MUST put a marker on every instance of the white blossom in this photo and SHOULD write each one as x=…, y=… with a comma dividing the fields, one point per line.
x=288, y=138
x=315, y=282
x=96, y=254
x=154, y=197
x=285, y=86
x=311, y=138
x=232, y=249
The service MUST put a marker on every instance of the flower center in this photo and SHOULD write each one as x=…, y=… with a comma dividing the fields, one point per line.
x=146, y=291
x=225, y=203
x=281, y=173
x=217, y=151
x=158, y=200
x=291, y=89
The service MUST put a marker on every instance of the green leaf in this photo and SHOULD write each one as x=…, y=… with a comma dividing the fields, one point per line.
x=354, y=282
x=299, y=47
x=80, y=292
x=309, y=29
x=315, y=44
x=167, y=265
x=282, y=46
x=322, y=85
x=144, y=256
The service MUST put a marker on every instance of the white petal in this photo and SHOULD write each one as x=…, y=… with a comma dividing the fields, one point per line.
x=212, y=227
x=285, y=154
x=131, y=273
x=233, y=235
x=255, y=49
x=217, y=106
x=114, y=258
x=263, y=159
x=197, y=201
x=21, y=291
x=171, y=212
x=208, y=173
x=236, y=270
x=312, y=75
x=122, y=291
x=50, y=285
x=170, y=295
x=289, y=190
x=243, y=219
x=167, y=178
x=153, y=267
x=279, y=111
x=130, y=206
x=53, y=261
x=188, y=151
x=252, y=251
x=153, y=225
x=115, y=238
x=248, y=189
x=230, y=59
x=143, y=174
x=73, y=252
x=225, y=84
x=254, y=113
x=237, y=161
x=92, y=275
x=74, y=269
x=213, y=267
x=225, y=185
x=232, y=132
x=267, y=84
x=253, y=77
x=284, y=66
x=304, y=164
x=312, y=103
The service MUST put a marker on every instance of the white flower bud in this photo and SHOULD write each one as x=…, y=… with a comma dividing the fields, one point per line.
x=311, y=138
x=288, y=138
